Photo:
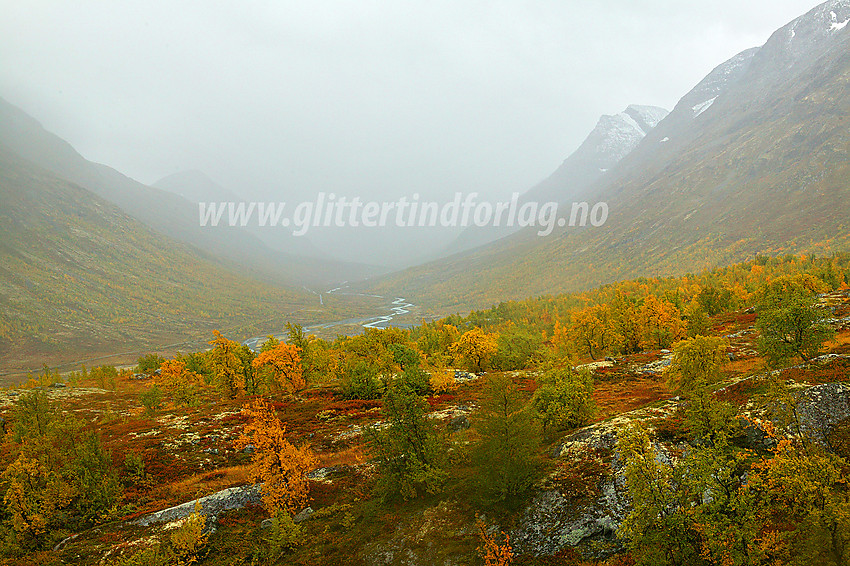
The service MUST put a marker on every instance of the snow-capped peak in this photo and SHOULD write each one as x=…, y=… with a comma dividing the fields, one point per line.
x=802, y=35
x=615, y=136
x=625, y=117
x=649, y=116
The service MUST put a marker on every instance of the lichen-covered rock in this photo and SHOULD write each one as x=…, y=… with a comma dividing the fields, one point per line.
x=211, y=505
x=755, y=437
x=554, y=520
x=458, y=423
x=303, y=515
x=821, y=407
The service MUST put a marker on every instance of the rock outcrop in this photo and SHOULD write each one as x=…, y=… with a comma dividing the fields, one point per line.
x=211, y=505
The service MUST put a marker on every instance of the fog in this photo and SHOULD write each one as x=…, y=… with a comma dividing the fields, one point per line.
x=282, y=100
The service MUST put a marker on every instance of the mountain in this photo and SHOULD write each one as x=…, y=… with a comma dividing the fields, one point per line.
x=77, y=275
x=195, y=187
x=165, y=211
x=754, y=159
x=613, y=138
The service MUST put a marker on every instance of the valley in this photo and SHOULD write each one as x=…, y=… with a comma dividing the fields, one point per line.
x=190, y=444
x=668, y=386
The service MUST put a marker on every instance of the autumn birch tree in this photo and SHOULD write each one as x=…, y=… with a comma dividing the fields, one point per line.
x=474, y=349
x=284, y=362
x=277, y=463
x=226, y=364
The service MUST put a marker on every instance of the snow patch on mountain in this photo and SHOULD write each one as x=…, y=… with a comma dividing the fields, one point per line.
x=804, y=36
x=703, y=106
x=615, y=136
x=715, y=83
x=631, y=122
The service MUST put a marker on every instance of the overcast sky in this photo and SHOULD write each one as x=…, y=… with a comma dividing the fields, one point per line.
x=359, y=98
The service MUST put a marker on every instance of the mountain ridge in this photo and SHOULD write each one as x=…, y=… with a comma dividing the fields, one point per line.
x=762, y=169
x=165, y=211
x=613, y=137
x=79, y=274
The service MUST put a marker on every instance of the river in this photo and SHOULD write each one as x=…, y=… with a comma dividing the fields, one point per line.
x=399, y=306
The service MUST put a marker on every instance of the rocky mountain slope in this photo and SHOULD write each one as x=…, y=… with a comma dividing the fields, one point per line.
x=753, y=160
x=613, y=137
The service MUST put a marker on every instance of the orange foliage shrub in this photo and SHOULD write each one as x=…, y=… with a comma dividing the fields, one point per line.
x=442, y=380
x=474, y=349
x=491, y=551
x=276, y=462
x=285, y=362
x=175, y=380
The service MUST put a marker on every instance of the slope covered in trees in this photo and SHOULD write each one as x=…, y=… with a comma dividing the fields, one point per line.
x=387, y=444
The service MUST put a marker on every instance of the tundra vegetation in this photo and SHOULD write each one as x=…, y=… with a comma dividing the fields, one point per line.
x=434, y=441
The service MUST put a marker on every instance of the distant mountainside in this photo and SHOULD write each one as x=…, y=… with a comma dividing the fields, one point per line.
x=77, y=274
x=195, y=187
x=613, y=138
x=165, y=211
x=753, y=160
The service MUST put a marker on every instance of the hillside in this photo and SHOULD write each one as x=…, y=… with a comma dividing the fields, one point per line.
x=80, y=278
x=165, y=211
x=753, y=160
x=612, y=139
x=186, y=453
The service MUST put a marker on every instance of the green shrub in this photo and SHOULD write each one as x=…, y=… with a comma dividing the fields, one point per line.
x=405, y=356
x=34, y=415
x=283, y=535
x=149, y=363
x=362, y=381
x=96, y=483
x=789, y=321
x=153, y=556
x=188, y=540
x=151, y=399
x=517, y=347
x=134, y=466
x=104, y=376
x=565, y=399
x=415, y=379
x=410, y=455
x=505, y=458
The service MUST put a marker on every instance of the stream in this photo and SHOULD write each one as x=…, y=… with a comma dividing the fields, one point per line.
x=397, y=307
